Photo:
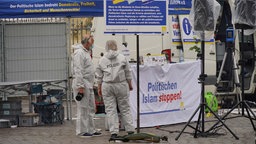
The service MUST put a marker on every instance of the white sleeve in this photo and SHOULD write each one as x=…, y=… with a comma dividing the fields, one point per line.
x=99, y=73
x=78, y=68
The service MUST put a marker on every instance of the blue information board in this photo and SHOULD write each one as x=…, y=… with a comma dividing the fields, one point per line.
x=136, y=16
x=50, y=8
x=186, y=26
x=177, y=7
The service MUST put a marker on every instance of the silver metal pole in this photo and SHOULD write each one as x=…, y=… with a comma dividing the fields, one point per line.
x=221, y=68
x=3, y=60
x=68, y=83
x=237, y=81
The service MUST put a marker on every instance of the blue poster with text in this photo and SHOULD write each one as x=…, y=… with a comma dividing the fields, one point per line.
x=176, y=7
x=50, y=8
x=136, y=12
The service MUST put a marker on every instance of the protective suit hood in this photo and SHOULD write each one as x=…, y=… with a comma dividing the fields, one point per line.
x=111, y=54
x=80, y=46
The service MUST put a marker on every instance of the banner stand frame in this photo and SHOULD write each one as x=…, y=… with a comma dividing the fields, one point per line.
x=138, y=82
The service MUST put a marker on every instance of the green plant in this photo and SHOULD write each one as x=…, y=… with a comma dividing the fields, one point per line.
x=195, y=47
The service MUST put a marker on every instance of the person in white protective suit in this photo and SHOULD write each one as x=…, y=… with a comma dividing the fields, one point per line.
x=84, y=73
x=114, y=82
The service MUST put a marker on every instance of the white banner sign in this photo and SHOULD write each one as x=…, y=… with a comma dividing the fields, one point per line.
x=169, y=94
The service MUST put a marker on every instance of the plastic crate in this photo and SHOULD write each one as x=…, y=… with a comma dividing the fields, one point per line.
x=29, y=119
x=10, y=105
x=100, y=108
x=4, y=123
x=10, y=112
x=14, y=119
x=50, y=112
x=55, y=92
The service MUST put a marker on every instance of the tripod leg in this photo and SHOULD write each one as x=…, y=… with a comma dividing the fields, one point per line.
x=247, y=107
x=237, y=82
x=221, y=68
x=250, y=109
x=220, y=120
x=188, y=122
x=223, y=116
x=198, y=120
x=238, y=97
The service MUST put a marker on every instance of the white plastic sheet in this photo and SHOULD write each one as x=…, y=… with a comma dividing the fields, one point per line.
x=244, y=12
x=203, y=16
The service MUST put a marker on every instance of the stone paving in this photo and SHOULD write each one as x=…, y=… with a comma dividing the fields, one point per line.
x=65, y=133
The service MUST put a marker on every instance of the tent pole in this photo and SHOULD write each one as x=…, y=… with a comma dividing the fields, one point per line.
x=138, y=83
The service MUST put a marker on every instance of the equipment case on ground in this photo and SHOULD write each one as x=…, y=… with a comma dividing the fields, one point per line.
x=29, y=119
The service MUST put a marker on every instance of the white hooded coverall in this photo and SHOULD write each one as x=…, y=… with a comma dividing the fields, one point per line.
x=84, y=73
x=113, y=72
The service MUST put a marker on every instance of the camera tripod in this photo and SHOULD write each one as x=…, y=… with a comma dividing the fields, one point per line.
x=230, y=50
x=243, y=103
x=202, y=105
